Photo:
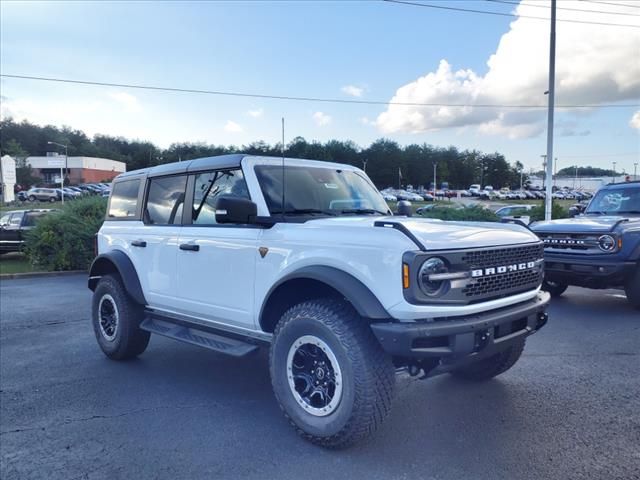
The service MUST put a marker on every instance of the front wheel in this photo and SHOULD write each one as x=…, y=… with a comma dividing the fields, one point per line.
x=492, y=366
x=632, y=288
x=32, y=198
x=554, y=288
x=116, y=319
x=331, y=378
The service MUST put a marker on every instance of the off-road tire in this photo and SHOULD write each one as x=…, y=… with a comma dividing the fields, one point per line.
x=368, y=375
x=492, y=366
x=632, y=288
x=554, y=288
x=129, y=340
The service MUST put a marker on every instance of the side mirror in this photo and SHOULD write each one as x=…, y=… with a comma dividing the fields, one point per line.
x=404, y=208
x=231, y=209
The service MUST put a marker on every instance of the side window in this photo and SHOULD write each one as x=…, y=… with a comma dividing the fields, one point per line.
x=124, y=199
x=32, y=217
x=16, y=219
x=165, y=200
x=4, y=220
x=209, y=186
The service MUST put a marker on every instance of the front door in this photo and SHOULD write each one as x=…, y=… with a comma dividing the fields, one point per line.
x=216, y=263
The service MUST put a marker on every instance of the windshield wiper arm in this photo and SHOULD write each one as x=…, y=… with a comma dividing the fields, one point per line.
x=364, y=211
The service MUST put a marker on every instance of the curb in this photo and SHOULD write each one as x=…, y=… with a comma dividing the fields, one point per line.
x=15, y=276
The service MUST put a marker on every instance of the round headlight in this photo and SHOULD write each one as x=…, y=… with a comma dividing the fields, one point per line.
x=607, y=243
x=433, y=288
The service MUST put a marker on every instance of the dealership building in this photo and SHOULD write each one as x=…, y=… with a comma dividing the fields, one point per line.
x=78, y=169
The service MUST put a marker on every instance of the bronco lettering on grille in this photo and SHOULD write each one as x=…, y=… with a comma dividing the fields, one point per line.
x=485, y=272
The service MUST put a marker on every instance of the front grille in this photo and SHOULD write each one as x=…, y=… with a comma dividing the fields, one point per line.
x=503, y=256
x=509, y=282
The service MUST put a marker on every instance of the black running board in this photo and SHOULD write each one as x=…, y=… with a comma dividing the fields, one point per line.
x=196, y=335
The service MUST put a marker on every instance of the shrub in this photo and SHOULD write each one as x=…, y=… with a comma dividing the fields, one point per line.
x=469, y=214
x=64, y=240
x=557, y=211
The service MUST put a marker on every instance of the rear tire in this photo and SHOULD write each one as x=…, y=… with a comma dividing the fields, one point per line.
x=492, y=366
x=632, y=288
x=116, y=320
x=554, y=288
x=330, y=376
x=32, y=198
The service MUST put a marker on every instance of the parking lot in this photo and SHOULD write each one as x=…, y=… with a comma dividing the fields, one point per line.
x=569, y=409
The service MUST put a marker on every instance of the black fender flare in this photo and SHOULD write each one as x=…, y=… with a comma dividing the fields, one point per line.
x=119, y=262
x=363, y=300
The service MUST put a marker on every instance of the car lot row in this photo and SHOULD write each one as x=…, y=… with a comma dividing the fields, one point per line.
x=44, y=194
x=488, y=193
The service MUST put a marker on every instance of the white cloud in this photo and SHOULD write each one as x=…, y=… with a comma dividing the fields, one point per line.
x=257, y=113
x=593, y=65
x=321, y=119
x=366, y=121
x=128, y=101
x=352, y=90
x=232, y=127
x=635, y=120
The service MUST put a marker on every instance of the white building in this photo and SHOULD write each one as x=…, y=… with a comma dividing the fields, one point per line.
x=79, y=169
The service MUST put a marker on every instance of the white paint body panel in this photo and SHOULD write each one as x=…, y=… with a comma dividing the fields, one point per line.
x=228, y=280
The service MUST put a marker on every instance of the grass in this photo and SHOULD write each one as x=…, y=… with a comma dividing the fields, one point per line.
x=15, y=263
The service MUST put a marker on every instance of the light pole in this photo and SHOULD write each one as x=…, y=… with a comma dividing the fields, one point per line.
x=364, y=164
x=614, y=172
x=66, y=167
x=435, y=185
x=635, y=171
x=575, y=180
x=550, y=111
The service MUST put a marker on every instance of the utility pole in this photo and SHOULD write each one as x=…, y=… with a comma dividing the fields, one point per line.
x=552, y=82
x=364, y=164
x=575, y=180
x=613, y=179
x=435, y=184
x=635, y=171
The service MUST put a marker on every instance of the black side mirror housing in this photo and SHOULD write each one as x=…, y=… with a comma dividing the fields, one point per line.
x=404, y=208
x=232, y=209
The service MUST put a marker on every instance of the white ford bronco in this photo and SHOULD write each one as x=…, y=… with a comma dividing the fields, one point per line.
x=238, y=252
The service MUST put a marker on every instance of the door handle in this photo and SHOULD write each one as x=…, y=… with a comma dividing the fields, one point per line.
x=190, y=247
x=139, y=243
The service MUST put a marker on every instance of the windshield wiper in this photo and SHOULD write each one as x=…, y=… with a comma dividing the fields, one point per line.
x=364, y=211
x=628, y=211
x=304, y=211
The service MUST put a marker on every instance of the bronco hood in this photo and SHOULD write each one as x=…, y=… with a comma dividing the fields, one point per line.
x=582, y=224
x=432, y=234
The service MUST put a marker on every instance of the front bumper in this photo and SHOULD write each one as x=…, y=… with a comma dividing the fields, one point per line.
x=456, y=338
x=592, y=271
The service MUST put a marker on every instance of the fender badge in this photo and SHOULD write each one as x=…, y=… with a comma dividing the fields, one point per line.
x=263, y=251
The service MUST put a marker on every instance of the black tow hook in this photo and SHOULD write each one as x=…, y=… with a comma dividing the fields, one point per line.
x=543, y=318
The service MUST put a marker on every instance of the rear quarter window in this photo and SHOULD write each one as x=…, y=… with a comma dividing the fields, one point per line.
x=124, y=199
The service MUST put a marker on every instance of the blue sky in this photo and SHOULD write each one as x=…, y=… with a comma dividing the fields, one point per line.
x=312, y=49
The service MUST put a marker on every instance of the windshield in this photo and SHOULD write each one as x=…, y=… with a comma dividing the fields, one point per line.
x=616, y=201
x=319, y=190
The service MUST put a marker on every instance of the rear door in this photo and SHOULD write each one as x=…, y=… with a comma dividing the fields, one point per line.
x=155, y=243
x=216, y=263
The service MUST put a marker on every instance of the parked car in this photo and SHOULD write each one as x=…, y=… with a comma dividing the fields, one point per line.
x=475, y=189
x=14, y=225
x=42, y=194
x=336, y=287
x=516, y=212
x=599, y=249
x=68, y=195
x=578, y=208
x=78, y=190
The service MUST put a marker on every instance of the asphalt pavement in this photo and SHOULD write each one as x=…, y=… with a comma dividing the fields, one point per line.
x=570, y=409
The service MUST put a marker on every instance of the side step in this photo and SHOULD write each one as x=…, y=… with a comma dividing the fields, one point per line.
x=197, y=336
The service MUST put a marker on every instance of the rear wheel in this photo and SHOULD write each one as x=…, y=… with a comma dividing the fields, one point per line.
x=492, y=366
x=116, y=319
x=331, y=378
x=52, y=199
x=32, y=198
x=632, y=288
x=554, y=288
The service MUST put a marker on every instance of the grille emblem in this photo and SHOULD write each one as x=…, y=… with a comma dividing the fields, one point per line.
x=516, y=267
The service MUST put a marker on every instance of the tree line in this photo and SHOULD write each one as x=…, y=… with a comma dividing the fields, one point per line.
x=384, y=160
